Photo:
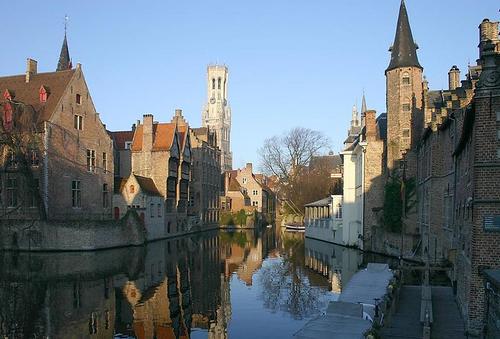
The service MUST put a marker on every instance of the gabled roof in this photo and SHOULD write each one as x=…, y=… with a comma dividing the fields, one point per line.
x=120, y=137
x=163, y=136
x=182, y=129
x=404, y=49
x=28, y=93
x=147, y=185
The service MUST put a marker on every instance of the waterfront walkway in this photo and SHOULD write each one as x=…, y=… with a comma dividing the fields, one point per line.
x=405, y=323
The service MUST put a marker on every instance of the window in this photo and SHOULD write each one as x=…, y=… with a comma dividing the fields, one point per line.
x=43, y=94
x=104, y=162
x=159, y=210
x=244, y=180
x=76, y=193
x=406, y=79
x=151, y=210
x=34, y=160
x=131, y=189
x=213, y=83
x=255, y=192
x=78, y=99
x=91, y=160
x=12, y=160
x=11, y=192
x=105, y=196
x=255, y=203
x=218, y=83
x=406, y=133
x=406, y=107
x=78, y=122
x=34, y=193
x=128, y=144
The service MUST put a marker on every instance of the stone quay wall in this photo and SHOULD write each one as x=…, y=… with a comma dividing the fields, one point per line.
x=39, y=235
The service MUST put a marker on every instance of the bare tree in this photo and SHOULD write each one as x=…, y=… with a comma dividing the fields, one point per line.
x=288, y=158
x=284, y=156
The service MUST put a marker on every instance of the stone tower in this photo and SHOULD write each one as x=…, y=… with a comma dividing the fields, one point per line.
x=405, y=118
x=217, y=113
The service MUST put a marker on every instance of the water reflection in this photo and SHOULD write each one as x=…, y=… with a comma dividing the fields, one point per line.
x=210, y=285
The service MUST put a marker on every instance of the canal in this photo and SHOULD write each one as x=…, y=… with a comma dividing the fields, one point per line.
x=220, y=284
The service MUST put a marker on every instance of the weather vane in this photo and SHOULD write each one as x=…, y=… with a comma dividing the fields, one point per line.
x=66, y=19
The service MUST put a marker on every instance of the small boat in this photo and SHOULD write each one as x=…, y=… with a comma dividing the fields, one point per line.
x=295, y=227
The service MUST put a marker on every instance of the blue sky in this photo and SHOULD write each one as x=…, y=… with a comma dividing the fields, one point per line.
x=292, y=63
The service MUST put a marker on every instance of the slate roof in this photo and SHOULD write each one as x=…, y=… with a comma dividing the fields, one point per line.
x=147, y=185
x=120, y=137
x=163, y=136
x=382, y=126
x=320, y=203
x=28, y=93
x=404, y=49
x=64, y=59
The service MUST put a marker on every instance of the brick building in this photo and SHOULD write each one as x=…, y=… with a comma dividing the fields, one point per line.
x=57, y=159
x=205, y=186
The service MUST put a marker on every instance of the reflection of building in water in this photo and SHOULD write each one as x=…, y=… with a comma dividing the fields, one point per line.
x=335, y=262
x=159, y=291
x=64, y=295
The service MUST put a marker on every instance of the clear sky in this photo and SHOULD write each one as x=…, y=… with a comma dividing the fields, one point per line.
x=292, y=63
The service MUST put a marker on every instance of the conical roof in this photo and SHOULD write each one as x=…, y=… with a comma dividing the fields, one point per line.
x=64, y=59
x=404, y=49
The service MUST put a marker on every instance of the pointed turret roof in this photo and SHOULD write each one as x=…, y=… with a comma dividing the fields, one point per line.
x=404, y=49
x=363, y=105
x=64, y=59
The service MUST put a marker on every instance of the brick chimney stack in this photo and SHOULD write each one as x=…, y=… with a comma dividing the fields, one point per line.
x=370, y=125
x=249, y=167
x=454, y=78
x=147, y=132
x=31, y=69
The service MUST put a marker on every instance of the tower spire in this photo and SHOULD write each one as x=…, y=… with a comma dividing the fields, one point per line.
x=64, y=62
x=363, y=104
x=404, y=49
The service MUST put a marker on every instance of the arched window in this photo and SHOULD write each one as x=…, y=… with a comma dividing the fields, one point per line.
x=213, y=83
x=406, y=105
x=219, y=83
x=132, y=189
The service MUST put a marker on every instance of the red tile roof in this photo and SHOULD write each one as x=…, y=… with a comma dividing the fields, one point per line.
x=163, y=137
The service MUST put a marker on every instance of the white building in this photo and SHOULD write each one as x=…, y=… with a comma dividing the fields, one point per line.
x=323, y=219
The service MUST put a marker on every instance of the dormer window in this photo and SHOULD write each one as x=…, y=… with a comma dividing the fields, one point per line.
x=78, y=99
x=43, y=93
x=8, y=94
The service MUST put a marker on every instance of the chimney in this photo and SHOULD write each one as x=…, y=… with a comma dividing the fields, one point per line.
x=147, y=132
x=31, y=69
x=178, y=112
x=249, y=167
x=454, y=78
x=488, y=31
x=133, y=127
x=370, y=126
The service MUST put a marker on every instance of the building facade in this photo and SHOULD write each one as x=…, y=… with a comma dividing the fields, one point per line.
x=57, y=159
x=217, y=112
x=205, y=186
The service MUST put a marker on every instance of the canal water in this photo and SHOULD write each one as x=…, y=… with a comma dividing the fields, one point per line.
x=242, y=284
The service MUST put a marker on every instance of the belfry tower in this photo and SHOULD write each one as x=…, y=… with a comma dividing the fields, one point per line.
x=217, y=113
x=403, y=93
